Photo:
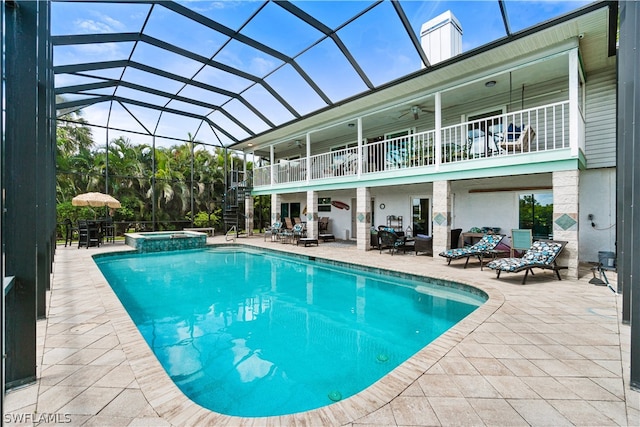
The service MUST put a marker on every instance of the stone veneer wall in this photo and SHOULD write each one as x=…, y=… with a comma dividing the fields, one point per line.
x=441, y=216
x=248, y=212
x=363, y=218
x=312, y=214
x=190, y=241
x=276, y=207
x=565, y=217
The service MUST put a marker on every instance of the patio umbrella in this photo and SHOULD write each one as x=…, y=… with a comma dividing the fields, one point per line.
x=95, y=200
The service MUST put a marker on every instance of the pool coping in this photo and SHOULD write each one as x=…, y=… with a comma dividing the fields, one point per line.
x=171, y=404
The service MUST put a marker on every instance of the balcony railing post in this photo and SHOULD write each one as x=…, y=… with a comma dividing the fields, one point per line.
x=272, y=157
x=438, y=119
x=308, y=158
x=360, y=152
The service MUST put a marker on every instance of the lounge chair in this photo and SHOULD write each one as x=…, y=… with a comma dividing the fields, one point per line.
x=323, y=229
x=484, y=247
x=541, y=254
x=389, y=239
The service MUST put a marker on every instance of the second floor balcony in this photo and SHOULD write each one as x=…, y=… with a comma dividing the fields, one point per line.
x=539, y=134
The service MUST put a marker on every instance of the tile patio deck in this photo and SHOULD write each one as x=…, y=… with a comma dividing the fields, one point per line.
x=547, y=353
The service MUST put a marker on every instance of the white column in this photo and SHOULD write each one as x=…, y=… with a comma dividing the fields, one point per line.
x=363, y=218
x=441, y=216
x=312, y=214
x=438, y=129
x=272, y=161
x=248, y=212
x=308, y=157
x=360, y=156
x=574, y=111
x=276, y=201
x=565, y=217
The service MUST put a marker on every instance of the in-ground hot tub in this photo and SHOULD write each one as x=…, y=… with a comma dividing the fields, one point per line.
x=158, y=241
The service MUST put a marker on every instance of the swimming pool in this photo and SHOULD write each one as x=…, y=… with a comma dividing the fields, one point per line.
x=251, y=333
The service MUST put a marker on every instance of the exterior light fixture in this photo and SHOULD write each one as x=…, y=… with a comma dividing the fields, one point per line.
x=351, y=125
x=490, y=83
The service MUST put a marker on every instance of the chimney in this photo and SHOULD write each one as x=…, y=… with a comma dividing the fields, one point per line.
x=441, y=38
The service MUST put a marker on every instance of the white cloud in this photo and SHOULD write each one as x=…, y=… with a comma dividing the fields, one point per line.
x=261, y=66
x=89, y=26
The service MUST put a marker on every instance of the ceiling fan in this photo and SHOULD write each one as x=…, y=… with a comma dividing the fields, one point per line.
x=415, y=110
x=297, y=143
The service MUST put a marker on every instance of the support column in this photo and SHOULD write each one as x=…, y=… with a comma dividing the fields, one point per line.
x=21, y=188
x=441, y=216
x=248, y=214
x=628, y=177
x=565, y=217
x=312, y=214
x=363, y=218
x=276, y=202
x=45, y=144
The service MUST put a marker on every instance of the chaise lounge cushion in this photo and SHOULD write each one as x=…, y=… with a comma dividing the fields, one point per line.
x=484, y=247
x=487, y=243
x=542, y=253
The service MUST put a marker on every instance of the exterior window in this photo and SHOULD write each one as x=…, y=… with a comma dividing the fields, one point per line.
x=291, y=210
x=536, y=213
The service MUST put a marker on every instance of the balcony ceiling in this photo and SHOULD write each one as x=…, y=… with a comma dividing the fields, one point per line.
x=231, y=73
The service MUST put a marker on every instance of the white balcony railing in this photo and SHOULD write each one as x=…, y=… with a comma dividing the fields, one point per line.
x=533, y=130
x=337, y=163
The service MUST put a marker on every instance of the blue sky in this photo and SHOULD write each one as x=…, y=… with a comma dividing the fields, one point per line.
x=376, y=40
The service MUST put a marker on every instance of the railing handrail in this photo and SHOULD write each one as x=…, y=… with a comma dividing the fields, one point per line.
x=418, y=149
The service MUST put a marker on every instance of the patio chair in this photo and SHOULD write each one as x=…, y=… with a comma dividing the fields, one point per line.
x=519, y=144
x=542, y=254
x=389, y=239
x=455, y=238
x=299, y=231
x=273, y=231
x=521, y=240
x=69, y=231
x=288, y=223
x=484, y=247
x=423, y=244
x=88, y=234
x=107, y=229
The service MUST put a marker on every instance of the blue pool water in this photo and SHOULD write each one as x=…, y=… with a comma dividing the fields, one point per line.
x=250, y=333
